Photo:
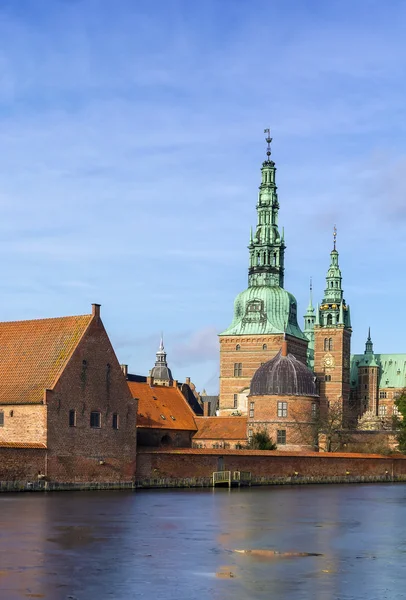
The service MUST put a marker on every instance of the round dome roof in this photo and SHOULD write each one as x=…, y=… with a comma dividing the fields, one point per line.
x=161, y=372
x=283, y=376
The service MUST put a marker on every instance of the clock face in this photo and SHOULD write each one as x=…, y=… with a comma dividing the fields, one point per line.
x=328, y=361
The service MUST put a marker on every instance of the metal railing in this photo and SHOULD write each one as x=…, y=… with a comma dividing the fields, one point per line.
x=222, y=477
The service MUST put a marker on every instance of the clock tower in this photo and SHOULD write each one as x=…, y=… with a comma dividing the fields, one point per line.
x=332, y=343
x=263, y=313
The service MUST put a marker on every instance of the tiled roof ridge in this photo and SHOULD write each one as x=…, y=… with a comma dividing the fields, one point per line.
x=45, y=319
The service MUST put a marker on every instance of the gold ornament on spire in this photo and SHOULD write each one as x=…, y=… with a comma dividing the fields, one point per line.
x=335, y=236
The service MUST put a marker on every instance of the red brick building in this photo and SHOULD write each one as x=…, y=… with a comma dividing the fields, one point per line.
x=62, y=390
x=283, y=400
x=164, y=416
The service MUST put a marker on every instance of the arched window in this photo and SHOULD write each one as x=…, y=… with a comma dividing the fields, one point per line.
x=330, y=343
x=326, y=344
x=329, y=319
x=264, y=347
x=258, y=259
x=238, y=347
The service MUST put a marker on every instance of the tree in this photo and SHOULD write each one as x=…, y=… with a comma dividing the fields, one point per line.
x=261, y=441
x=400, y=402
x=325, y=430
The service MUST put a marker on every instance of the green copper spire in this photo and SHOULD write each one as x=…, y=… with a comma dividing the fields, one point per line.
x=369, y=347
x=309, y=321
x=265, y=307
x=333, y=309
x=267, y=248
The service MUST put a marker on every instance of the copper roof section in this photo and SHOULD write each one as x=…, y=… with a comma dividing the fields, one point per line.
x=221, y=428
x=283, y=376
x=34, y=353
x=162, y=407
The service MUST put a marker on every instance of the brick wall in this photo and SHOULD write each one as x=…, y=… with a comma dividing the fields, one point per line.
x=251, y=354
x=298, y=424
x=92, y=381
x=268, y=465
x=24, y=423
x=333, y=364
x=21, y=464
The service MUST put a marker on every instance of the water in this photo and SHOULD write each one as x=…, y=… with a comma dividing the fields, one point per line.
x=179, y=544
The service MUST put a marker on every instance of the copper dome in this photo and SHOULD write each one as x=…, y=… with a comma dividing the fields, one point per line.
x=283, y=376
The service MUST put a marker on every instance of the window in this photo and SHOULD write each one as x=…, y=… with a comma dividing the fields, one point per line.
x=237, y=369
x=281, y=436
x=250, y=434
x=114, y=421
x=395, y=410
x=365, y=386
x=238, y=347
x=264, y=347
x=1, y=419
x=282, y=409
x=329, y=319
x=252, y=405
x=330, y=343
x=235, y=403
x=314, y=410
x=327, y=378
x=72, y=418
x=382, y=411
x=95, y=420
x=325, y=343
x=382, y=394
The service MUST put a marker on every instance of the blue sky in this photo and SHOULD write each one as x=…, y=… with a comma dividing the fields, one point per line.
x=131, y=138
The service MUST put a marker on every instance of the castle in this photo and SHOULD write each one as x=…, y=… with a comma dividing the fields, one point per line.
x=266, y=317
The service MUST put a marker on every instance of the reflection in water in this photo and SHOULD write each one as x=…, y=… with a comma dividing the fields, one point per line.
x=320, y=542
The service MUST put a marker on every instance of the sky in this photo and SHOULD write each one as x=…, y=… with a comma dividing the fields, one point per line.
x=131, y=141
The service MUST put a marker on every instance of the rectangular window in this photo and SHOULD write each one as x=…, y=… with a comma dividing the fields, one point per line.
x=115, y=421
x=252, y=405
x=235, y=401
x=237, y=369
x=382, y=394
x=382, y=411
x=72, y=418
x=250, y=434
x=1, y=419
x=95, y=420
x=281, y=436
x=314, y=410
x=327, y=378
x=395, y=410
x=282, y=409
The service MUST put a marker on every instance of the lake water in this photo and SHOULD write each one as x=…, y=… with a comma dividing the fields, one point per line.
x=179, y=544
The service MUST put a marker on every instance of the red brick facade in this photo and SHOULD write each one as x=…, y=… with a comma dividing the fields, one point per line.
x=249, y=352
x=332, y=348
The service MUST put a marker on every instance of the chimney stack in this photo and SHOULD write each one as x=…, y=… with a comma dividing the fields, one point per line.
x=96, y=310
x=124, y=369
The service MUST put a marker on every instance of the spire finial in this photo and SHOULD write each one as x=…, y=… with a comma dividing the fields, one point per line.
x=161, y=343
x=334, y=236
x=268, y=141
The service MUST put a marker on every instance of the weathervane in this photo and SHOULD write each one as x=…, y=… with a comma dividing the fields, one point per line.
x=335, y=236
x=268, y=140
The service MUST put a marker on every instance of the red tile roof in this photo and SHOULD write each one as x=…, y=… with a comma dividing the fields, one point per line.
x=162, y=407
x=275, y=453
x=34, y=353
x=221, y=428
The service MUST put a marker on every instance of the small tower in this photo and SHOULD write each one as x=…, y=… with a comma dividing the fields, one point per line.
x=368, y=380
x=332, y=342
x=161, y=373
x=309, y=322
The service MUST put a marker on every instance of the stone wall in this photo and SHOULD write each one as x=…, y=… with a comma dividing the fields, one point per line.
x=24, y=423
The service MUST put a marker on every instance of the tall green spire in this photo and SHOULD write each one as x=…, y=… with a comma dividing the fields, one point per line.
x=333, y=309
x=267, y=248
x=309, y=321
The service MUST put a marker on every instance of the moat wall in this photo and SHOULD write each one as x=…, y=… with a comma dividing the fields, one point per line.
x=195, y=467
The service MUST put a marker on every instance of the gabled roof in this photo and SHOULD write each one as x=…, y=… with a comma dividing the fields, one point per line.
x=392, y=372
x=34, y=353
x=221, y=428
x=162, y=407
